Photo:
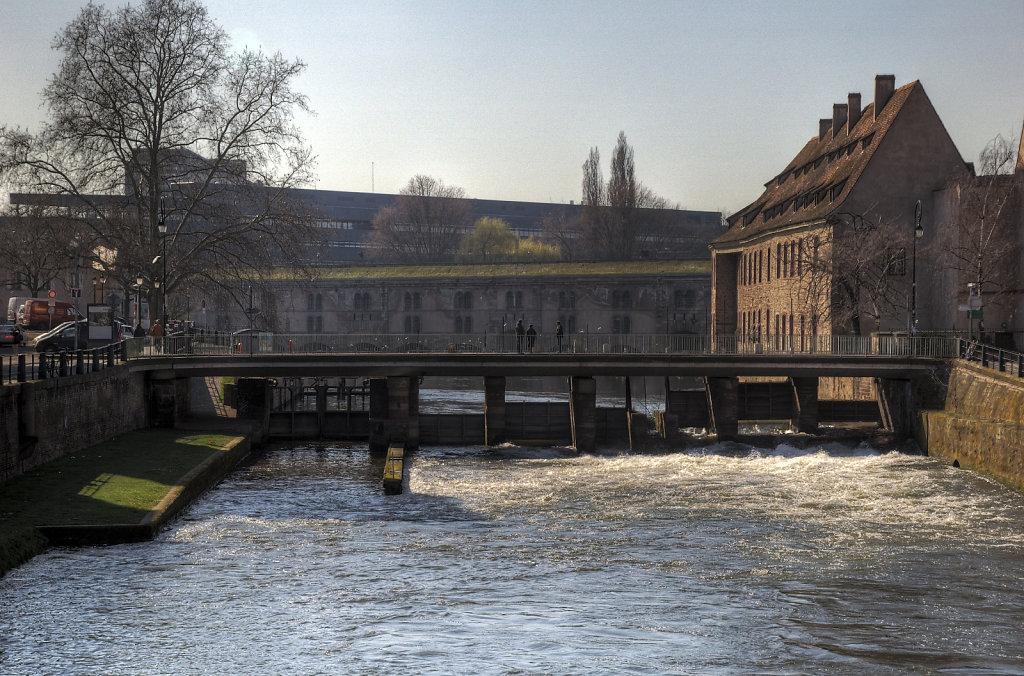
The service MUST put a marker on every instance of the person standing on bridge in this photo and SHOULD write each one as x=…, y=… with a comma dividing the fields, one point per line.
x=531, y=338
x=520, y=332
x=559, y=334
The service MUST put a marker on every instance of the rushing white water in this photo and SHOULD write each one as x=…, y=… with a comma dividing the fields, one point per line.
x=532, y=561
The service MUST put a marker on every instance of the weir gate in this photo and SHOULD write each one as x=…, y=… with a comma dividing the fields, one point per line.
x=389, y=383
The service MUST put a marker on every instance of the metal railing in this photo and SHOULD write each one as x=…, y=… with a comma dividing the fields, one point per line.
x=658, y=344
x=995, y=358
x=24, y=366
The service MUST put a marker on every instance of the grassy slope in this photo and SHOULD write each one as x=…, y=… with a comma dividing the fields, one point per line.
x=699, y=267
x=117, y=482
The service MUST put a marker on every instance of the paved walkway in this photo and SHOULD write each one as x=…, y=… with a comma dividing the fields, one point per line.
x=205, y=397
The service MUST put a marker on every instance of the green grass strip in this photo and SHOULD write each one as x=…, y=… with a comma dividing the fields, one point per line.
x=115, y=482
x=384, y=272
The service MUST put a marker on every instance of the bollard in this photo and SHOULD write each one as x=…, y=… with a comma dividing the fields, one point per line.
x=239, y=347
x=41, y=371
x=21, y=368
x=291, y=346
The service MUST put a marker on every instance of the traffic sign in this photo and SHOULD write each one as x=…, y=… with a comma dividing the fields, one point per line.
x=76, y=292
x=51, y=294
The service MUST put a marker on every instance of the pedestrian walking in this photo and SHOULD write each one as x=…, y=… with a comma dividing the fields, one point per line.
x=520, y=332
x=531, y=338
x=559, y=334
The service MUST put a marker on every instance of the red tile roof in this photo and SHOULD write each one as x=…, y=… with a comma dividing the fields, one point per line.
x=819, y=178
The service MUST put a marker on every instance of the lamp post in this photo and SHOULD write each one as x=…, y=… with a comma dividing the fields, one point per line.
x=918, y=234
x=162, y=227
x=138, y=300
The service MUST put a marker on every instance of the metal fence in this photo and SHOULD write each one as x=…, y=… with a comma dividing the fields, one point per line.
x=997, y=359
x=24, y=366
x=884, y=345
x=33, y=366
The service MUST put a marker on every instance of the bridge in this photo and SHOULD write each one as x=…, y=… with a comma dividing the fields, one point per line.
x=389, y=369
x=394, y=365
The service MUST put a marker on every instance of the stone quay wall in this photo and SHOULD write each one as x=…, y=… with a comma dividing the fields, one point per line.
x=981, y=426
x=43, y=420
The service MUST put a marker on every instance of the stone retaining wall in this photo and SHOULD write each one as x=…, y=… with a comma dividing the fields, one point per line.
x=43, y=420
x=981, y=426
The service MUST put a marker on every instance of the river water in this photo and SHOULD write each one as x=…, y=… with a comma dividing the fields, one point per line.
x=722, y=560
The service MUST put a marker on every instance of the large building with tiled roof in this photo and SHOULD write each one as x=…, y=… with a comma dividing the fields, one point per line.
x=837, y=239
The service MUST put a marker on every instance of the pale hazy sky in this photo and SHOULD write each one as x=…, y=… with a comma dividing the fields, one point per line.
x=505, y=98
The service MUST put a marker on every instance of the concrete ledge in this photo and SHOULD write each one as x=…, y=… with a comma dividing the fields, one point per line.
x=196, y=482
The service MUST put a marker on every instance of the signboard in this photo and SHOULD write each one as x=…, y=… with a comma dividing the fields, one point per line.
x=51, y=294
x=101, y=322
x=975, y=314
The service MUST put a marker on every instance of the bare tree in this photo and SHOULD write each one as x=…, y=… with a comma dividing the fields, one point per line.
x=621, y=219
x=984, y=249
x=36, y=250
x=154, y=121
x=425, y=224
x=562, y=229
x=855, y=274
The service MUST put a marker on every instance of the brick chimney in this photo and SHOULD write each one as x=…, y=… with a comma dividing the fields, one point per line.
x=823, y=126
x=885, y=85
x=838, y=118
x=853, y=106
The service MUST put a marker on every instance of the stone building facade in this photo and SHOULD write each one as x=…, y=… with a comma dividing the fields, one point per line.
x=832, y=245
x=663, y=297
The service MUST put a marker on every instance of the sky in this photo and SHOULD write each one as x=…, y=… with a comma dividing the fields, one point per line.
x=505, y=98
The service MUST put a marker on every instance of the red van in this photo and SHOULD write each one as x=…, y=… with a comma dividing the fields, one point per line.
x=36, y=314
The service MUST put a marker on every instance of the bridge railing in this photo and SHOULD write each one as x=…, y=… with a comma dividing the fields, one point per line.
x=581, y=343
x=987, y=356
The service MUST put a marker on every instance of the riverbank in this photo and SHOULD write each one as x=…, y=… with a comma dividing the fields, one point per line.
x=121, y=490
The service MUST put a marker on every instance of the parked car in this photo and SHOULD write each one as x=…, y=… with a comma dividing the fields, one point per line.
x=10, y=334
x=63, y=337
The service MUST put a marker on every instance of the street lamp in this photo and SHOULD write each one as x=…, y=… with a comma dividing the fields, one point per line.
x=138, y=300
x=162, y=227
x=918, y=234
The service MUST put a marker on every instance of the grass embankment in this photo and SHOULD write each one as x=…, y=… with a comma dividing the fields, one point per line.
x=115, y=483
x=394, y=272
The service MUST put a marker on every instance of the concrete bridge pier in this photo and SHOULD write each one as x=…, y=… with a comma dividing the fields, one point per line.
x=583, y=412
x=494, y=410
x=723, y=405
x=805, y=404
x=896, y=404
x=394, y=413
